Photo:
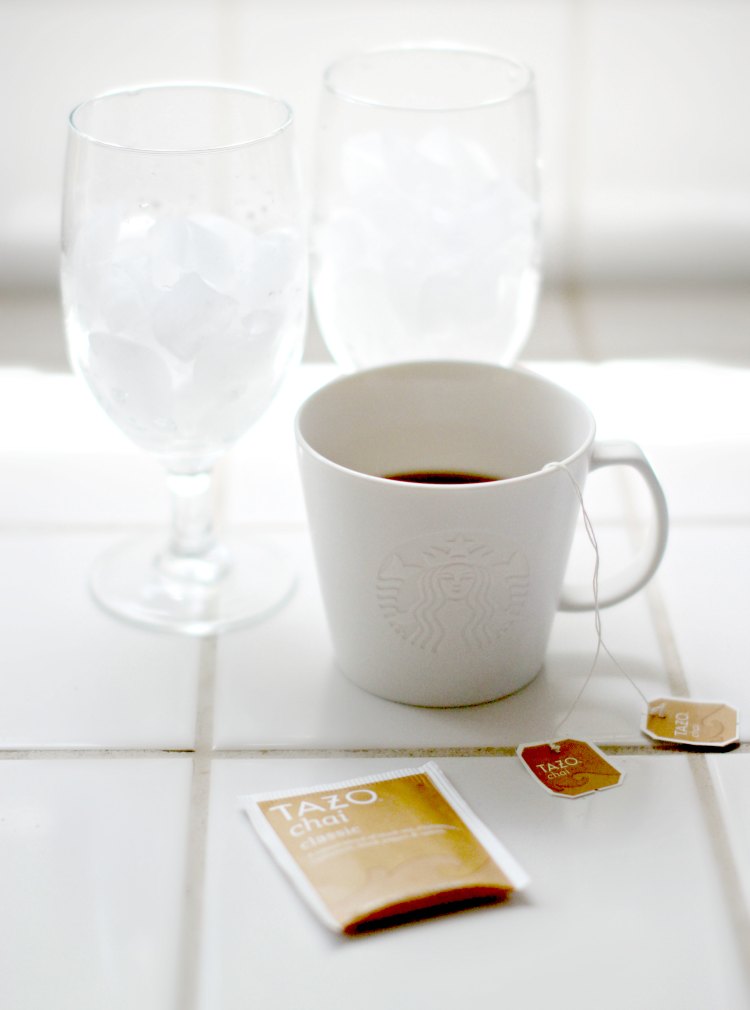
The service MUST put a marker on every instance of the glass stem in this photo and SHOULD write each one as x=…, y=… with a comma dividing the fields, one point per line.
x=193, y=553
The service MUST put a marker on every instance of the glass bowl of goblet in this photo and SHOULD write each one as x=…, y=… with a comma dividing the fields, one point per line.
x=425, y=239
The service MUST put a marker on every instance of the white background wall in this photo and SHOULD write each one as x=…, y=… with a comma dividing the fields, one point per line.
x=644, y=103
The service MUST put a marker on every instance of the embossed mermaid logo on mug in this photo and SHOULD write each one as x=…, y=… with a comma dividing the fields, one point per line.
x=437, y=591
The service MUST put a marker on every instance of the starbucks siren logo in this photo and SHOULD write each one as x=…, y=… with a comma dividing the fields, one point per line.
x=457, y=589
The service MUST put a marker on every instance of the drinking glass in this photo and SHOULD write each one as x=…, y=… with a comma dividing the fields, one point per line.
x=184, y=291
x=425, y=238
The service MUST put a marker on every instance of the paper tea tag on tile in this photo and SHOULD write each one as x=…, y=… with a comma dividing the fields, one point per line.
x=692, y=723
x=569, y=768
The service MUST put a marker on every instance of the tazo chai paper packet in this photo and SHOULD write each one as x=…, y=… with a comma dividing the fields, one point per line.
x=383, y=848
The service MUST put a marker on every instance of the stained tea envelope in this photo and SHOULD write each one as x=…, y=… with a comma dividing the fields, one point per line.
x=390, y=845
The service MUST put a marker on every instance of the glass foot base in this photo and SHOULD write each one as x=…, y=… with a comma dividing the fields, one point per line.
x=128, y=581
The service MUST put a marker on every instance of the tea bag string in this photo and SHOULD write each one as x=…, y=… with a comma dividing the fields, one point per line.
x=600, y=645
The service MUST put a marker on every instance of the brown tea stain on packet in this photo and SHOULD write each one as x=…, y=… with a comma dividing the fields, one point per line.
x=389, y=848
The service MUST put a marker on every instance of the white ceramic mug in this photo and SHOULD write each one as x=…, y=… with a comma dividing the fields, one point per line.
x=445, y=595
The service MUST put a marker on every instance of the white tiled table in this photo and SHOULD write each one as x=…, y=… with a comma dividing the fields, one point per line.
x=129, y=879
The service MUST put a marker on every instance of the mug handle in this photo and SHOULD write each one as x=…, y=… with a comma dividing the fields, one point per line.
x=619, y=587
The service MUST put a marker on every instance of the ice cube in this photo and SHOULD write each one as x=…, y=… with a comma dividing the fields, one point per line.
x=261, y=323
x=168, y=251
x=132, y=383
x=270, y=262
x=423, y=189
x=216, y=401
x=126, y=304
x=87, y=256
x=189, y=314
x=205, y=244
x=184, y=288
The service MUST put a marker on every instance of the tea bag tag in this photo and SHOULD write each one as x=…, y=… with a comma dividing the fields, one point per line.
x=569, y=767
x=690, y=723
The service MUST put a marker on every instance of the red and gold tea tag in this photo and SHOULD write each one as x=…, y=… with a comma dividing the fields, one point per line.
x=691, y=723
x=569, y=768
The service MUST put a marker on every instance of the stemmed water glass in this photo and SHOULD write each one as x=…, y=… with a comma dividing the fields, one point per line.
x=184, y=291
x=425, y=239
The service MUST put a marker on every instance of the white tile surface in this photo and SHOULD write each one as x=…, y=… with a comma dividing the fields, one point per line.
x=64, y=461
x=627, y=887
x=72, y=676
x=89, y=488
x=585, y=933
x=93, y=863
x=730, y=776
x=705, y=583
x=278, y=686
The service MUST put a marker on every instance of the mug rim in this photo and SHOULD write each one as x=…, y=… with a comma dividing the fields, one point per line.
x=485, y=486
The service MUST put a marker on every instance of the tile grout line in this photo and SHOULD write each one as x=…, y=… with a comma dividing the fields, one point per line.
x=645, y=749
x=189, y=959
x=665, y=637
x=714, y=805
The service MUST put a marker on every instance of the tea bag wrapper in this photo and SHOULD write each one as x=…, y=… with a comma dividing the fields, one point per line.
x=377, y=849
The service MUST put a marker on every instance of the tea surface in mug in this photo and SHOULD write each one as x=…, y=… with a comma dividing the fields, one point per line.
x=442, y=477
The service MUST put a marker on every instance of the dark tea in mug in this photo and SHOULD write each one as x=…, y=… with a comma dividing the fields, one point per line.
x=442, y=477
